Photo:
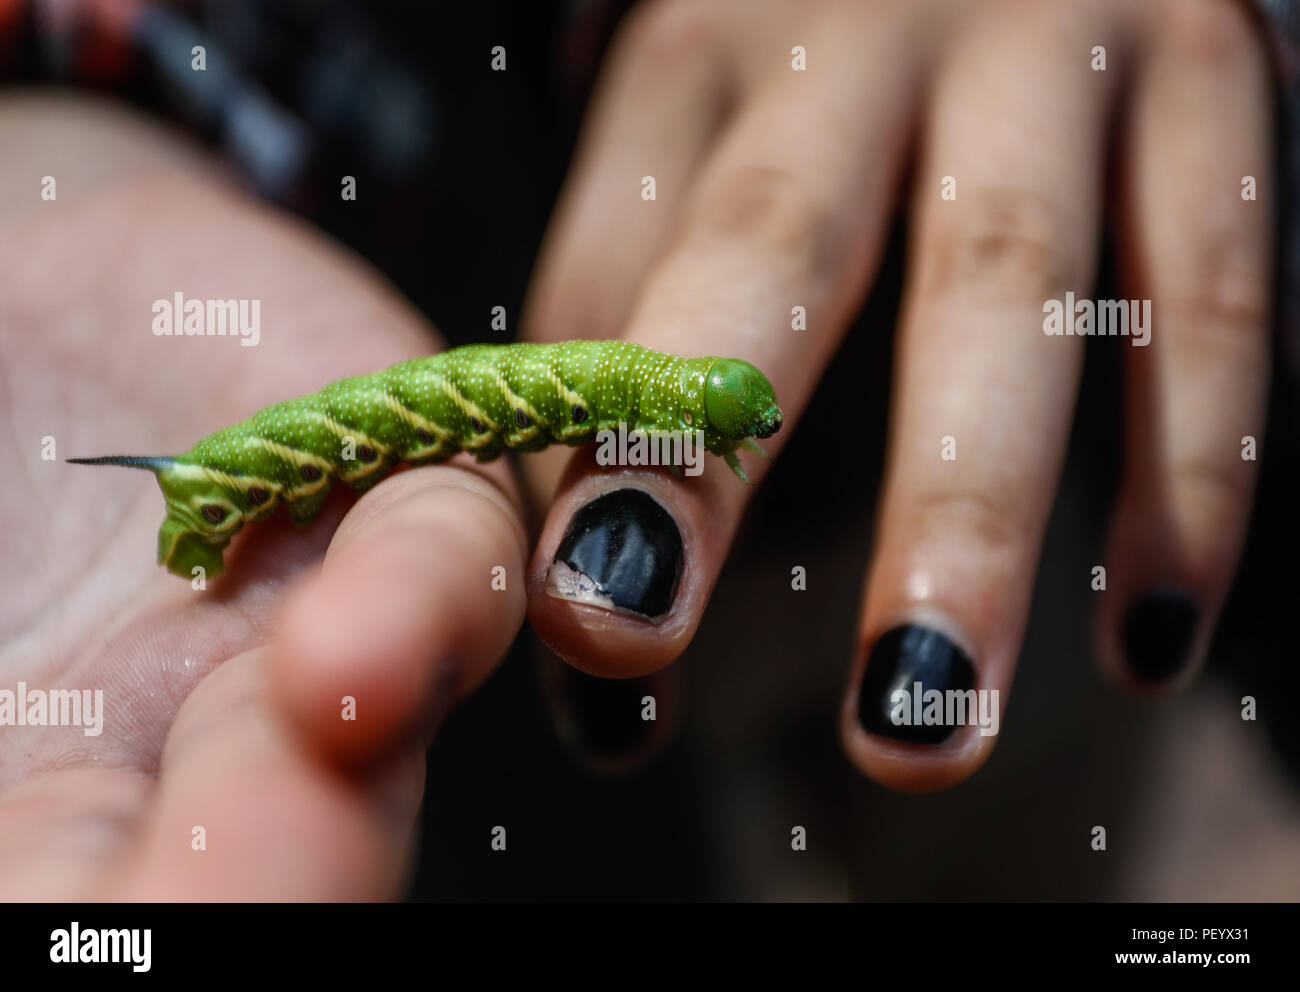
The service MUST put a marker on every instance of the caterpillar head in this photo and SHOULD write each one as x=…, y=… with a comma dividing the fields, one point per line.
x=195, y=530
x=201, y=516
x=739, y=401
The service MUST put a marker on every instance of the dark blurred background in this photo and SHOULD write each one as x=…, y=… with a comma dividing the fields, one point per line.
x=459, y=168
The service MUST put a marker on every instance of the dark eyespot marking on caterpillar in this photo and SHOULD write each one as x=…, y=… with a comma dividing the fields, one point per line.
x=727, y=401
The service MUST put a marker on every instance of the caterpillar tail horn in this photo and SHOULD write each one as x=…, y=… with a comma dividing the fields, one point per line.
x=154, y=463
x=179, y=547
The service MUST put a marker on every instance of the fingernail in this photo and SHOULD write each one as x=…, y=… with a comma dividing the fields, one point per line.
x=900, y=659
x=1158, y=632
x=622, y=551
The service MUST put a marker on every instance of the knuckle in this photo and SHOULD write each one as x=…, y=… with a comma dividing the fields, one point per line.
x=1210, y=32
x=1225, y=300
x=669, y=31
x=1222, y=326
x=771, y=211
x=1220, y=486
x=995, y=526
x=1006, y=246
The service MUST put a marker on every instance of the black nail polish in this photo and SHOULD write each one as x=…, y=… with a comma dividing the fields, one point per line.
x=629, y=548
x=1158, y=632
x=605, y=715
x=901, y=658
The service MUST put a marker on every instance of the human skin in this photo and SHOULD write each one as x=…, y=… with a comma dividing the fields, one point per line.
x=222, y=706
x=775, y=189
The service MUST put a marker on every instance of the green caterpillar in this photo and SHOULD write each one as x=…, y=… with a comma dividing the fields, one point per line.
x=479, y=398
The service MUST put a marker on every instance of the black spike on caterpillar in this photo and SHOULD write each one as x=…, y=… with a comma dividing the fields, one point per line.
x=481, y=398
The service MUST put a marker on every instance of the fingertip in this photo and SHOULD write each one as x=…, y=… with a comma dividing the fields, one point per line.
x=622, y=571
x=913, y=768
x=348, y=667
x=414, y=604
x=600, y=643
x=610, y=726
x=1153, y=640
x=913, y=719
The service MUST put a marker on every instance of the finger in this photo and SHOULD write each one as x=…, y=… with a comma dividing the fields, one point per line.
x=244, y=811
x=611, y=726
x=660, y=99
x=983, y=398
x=62, y=830
x=664, y=92
x=1199, y=250
x=767, y=230
x=420, y=595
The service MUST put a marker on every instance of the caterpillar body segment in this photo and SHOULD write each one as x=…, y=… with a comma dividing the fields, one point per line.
x=481, y=399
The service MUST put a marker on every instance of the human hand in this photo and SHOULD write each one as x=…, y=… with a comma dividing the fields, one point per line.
x=222, y=712
x=774, y=190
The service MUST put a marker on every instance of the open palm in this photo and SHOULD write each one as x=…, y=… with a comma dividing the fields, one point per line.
x=224, y=768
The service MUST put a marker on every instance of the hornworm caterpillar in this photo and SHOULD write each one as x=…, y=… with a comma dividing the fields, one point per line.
x=479, y=398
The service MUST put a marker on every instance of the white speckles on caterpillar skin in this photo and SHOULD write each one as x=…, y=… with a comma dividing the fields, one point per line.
x=478, y=398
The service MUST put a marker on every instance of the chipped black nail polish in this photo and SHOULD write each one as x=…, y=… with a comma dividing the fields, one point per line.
x=622, y=551
x=914, y=660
